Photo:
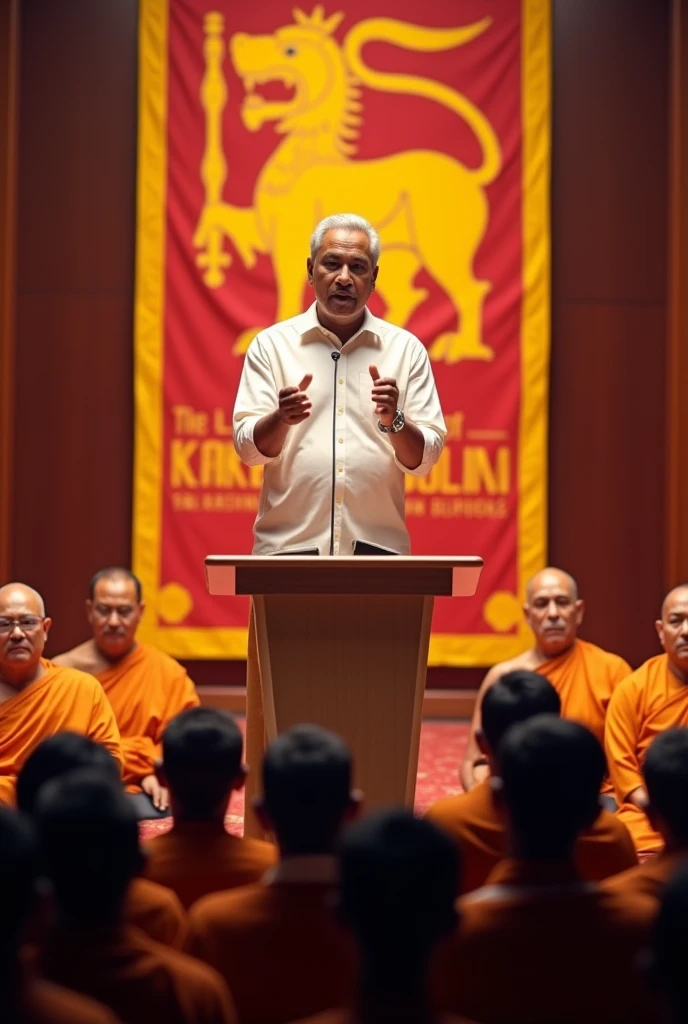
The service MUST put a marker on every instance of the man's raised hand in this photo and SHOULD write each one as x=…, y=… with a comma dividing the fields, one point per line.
x=385, y=394
x=294, y=404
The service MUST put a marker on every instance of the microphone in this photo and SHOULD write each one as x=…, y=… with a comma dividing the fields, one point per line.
x=335, y=359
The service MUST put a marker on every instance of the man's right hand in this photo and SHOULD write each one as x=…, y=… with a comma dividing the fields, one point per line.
x=294, y=404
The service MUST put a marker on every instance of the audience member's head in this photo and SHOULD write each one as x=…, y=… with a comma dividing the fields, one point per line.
x=672, y=628
x=18, y=870
x=515, y=697
x=398, y=888
x=668, y=972
x=64, y=752
x=89, y=844
x=201, y=751
x=551, y=773
x=24, y=629
x=666, y=779
x=114, y=609
x=307, y=794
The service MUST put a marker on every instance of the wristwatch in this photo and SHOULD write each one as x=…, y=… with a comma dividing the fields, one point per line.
x=398, y=423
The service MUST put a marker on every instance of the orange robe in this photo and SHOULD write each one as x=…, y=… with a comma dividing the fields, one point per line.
x=474, y=822
x=157, y=911
x=648, y=879
x=646, y=704
x=146, y=689
x=63, y=699
x=143, y=981
x=585, y=678
x=41, y=1002
x=196, y=858
x=538, y=946
x=279, y=947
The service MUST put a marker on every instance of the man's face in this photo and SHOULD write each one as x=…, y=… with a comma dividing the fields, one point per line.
x=114, y=615
x=673, y=628
x=23, y=634
x=342, y=274
x=553, y=613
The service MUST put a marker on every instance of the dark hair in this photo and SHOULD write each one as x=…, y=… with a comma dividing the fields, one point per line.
x=669, y=944
x=18, y=870
x=64, y=752
x=307, y=788
x=112, y=572
x=666, y=776
x=515, y=697
x=201, y=751
x=89, y=845
x=399, y=878
x=551, y=771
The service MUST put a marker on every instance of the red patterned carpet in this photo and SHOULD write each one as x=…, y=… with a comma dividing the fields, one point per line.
x=442, y=745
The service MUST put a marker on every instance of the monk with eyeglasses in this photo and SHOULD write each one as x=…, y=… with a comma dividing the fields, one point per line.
x=38, y=699
x=146, y=687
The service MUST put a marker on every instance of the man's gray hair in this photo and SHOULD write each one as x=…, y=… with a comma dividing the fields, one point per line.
x=350, y=222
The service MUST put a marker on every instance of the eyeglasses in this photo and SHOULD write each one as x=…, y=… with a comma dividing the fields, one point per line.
x=27, y=624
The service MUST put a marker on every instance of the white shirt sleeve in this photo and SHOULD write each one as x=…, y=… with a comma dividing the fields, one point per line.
x=422, y=408
x=257, y=397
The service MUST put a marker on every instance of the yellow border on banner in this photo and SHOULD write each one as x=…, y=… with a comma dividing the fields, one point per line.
x=447, y=649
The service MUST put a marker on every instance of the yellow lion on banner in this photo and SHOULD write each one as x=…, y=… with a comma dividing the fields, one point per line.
x=430, y=210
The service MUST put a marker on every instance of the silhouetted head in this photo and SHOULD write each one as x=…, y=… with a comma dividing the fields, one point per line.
x=19, y=871
x=515, y=697
x=306, y=789
x=666, y=779
x=59, y=754
x=668, y=972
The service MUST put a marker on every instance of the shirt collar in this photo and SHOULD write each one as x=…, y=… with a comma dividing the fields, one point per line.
x=313, y=330
x=316, y=869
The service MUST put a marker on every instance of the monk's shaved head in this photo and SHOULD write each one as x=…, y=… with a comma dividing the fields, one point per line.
x=677, y=595
x=551, y=577
x=115, y=572
x=17, y=594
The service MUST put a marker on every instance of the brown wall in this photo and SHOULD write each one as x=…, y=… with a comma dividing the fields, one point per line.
x=74, y=306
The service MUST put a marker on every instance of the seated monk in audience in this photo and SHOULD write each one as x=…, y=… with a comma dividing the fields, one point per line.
x=652, y=700
x=201, y=766
x=150, y=907
x=89, y=844
x=278, y=943
x=476, y=820
x=538, y=944
x=583, y=675
x=667, y=961
x=38, y=699
x=145, y=687
x=398, y=880
x=25, y=998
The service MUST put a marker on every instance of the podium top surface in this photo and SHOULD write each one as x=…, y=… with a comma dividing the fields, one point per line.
x=440, y=576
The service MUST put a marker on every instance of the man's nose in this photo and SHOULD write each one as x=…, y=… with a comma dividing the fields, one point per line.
x=16, y=627
x=684, y=627
x=344, y=274
x=553, y=610
x=113, y=618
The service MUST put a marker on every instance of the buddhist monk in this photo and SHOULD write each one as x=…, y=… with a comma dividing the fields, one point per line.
x=665, y=773
x=89, y=844
x=475, y=820
x=24, y=997
x=278, y=944
x=398, y=880
x=539, y=944
x=201, y=767
x=145, y=687
x=653, y=699
x=38, y=699
x=583, y=675
x=152, y=908
x=667, y=966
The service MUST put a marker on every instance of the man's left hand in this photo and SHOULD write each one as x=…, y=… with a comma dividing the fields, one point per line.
x=160, y=798
x=385, y=394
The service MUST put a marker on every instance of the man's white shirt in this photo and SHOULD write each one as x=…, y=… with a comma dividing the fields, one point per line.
x=296, y=499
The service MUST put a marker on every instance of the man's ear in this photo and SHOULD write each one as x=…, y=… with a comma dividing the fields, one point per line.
x=482, y=744
x=159, y=772
x=239, y=780
x=355, y=806
x=309, y=269
x=580, y=611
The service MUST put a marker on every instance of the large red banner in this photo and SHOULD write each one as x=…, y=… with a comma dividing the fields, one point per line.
x=257, y=120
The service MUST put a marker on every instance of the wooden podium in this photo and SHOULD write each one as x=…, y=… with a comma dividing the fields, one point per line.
x=343, y=642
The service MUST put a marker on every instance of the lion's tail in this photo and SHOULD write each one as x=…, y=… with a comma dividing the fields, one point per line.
x=426, y=40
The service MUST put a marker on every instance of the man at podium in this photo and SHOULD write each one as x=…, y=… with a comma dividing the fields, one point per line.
x=337, y=405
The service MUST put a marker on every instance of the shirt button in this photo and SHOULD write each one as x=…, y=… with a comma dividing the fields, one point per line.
x=339, y=501
x=340, y=411
x=340, y=469
x=341, y=380
x=341, y=440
